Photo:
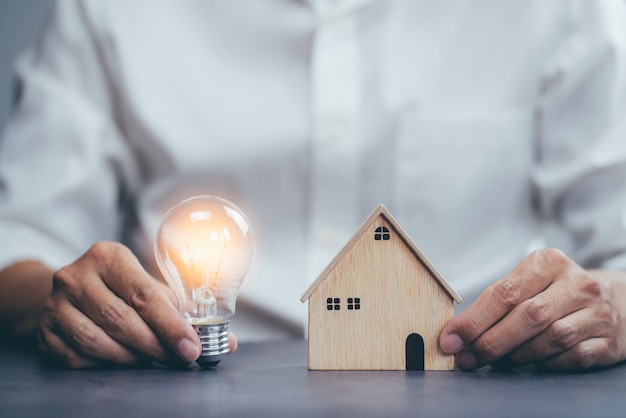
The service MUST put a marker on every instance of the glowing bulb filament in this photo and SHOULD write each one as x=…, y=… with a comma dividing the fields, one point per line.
x=204, y=262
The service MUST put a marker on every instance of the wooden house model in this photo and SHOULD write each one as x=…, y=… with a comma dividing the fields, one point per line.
x=379, y=305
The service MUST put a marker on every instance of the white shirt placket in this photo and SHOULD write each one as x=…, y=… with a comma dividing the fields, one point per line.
x=334, y=163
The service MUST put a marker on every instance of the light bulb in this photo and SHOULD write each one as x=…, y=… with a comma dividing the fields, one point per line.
x=204, y=248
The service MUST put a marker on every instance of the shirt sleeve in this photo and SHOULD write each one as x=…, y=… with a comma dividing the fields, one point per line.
x=581, y=172
x=64, y=163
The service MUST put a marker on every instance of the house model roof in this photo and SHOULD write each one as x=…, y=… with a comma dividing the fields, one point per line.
x=365, y=228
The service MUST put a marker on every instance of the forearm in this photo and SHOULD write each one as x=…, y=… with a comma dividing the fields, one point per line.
x=24, y=288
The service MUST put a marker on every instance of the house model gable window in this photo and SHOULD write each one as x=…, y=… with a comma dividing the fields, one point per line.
x=379, y=305
x=382, y=232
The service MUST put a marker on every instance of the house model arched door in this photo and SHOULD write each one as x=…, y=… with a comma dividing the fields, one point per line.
x=414, y=352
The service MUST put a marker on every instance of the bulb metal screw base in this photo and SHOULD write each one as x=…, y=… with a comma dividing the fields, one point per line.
x=215, y=343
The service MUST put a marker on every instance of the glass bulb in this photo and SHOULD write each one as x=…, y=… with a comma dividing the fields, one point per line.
x=204, y=248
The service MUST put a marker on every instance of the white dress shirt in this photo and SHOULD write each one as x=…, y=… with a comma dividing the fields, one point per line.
x=487, y=128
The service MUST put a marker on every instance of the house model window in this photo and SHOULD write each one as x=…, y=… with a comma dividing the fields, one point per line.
x=354, y=303
x=333, y=304
x=382, y=232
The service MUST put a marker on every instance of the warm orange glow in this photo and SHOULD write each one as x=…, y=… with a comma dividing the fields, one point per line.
x=205, y=249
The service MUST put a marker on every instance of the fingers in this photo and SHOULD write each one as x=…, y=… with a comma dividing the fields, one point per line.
x=114, y=318
x=572, y=309
x=105, y=307
x=232, y=343
x=559, y=337
x=530, y=277
x=548, y=311
x=529, y=320
x=127, y=278
x=593, y=352
x=58, y=352
x=81, y=342
x=590, y=334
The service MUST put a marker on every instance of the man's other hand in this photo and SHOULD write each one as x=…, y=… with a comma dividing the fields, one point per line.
x=548, y=311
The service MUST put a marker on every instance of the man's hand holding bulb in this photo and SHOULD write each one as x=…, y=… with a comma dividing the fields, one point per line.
x=105, y=308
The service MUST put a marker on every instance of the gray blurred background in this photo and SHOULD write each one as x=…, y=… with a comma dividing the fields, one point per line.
x=20, y=22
